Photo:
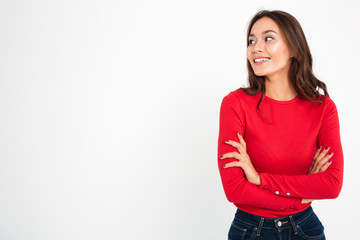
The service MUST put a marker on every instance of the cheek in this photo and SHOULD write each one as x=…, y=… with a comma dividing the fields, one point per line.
x=280, y=52
x=275, y=49
x=249, y=55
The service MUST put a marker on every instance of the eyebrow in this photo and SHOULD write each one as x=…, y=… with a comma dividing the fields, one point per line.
x=264, y=32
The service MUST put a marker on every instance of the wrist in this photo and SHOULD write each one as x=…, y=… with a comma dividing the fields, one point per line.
x=252, y=176
x=257, y=180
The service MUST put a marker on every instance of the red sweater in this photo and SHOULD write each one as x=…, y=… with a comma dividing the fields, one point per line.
x=281, y=151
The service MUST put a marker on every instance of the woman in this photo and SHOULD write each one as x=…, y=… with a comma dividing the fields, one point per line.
x=279, y=139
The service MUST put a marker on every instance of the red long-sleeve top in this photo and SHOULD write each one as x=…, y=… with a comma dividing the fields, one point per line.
x=281, y=147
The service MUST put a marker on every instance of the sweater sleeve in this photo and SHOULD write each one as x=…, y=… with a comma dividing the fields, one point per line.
x=237, y=188
x=323, y=185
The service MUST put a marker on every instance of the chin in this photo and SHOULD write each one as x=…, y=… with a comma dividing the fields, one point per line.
x=260, y=74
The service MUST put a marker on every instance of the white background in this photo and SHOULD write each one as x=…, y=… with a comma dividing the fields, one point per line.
x=109, y=114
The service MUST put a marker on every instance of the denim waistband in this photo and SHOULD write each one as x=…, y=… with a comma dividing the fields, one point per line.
x=274, y=223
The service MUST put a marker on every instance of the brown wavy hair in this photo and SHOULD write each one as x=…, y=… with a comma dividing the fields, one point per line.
x=301, y=74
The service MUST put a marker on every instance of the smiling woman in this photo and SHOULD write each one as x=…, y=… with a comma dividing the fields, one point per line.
x=267, y=50
x=275, y=160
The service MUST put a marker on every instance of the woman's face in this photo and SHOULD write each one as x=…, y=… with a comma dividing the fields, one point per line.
x=268, y=52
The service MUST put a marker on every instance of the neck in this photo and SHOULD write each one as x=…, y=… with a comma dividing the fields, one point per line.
x=279, y=88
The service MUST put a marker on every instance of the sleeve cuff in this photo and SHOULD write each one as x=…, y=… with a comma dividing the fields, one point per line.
x=264, y=186
x=262, y=182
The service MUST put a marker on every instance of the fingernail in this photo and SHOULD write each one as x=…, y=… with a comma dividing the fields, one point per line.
x=327, y=148
x=331, y=154
x=226, y=141
x=223, y=166
x=221, y=156
x=330, y=162
x=320, y=147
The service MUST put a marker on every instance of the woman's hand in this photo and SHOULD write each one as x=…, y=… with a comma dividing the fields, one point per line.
x=321, y=161
x=243, y=160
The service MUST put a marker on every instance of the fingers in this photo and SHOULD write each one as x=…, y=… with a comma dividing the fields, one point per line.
x=320, y=157
x=325, y=166
x=321, y=161
x=235, y=155
x=323, y=153
x=232, y=164
x=240, y=146
x=237, y=145
x=317, y=152
x=242, y=141
x=315, y=156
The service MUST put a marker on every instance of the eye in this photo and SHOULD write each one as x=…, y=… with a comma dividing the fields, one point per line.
x=251, y=41
x=269, y=37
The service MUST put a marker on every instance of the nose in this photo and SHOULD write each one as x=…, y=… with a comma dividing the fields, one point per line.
x=258, y=47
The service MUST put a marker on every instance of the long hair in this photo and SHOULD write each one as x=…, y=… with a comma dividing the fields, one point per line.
x=301, y=74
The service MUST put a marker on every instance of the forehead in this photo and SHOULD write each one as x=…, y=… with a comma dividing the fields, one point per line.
x=264, y=24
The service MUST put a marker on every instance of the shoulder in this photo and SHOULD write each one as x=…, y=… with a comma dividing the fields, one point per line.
x=239, y=96
x=328, y=107
x=323, y=102
x=328, y=103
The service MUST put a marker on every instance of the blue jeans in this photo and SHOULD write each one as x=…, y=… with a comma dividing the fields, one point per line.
x=301, y=225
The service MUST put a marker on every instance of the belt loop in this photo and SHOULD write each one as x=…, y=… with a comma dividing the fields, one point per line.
x=260, y=226
x=293, y=224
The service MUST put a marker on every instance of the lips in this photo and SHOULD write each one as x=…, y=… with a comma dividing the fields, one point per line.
x=261, y=60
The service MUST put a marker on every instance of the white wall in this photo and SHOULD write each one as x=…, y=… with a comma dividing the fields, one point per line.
x=109, y=114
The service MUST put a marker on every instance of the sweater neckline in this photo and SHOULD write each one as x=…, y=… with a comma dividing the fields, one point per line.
x=295, y=99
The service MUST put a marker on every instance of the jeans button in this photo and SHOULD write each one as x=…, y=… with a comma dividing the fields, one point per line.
x=279, y=223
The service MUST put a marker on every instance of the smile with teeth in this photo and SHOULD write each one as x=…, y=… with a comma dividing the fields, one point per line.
x=261, y=59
